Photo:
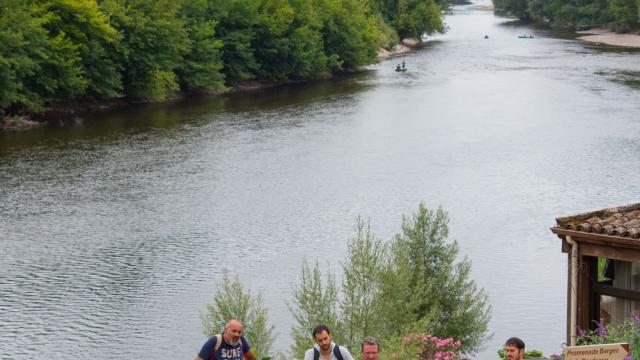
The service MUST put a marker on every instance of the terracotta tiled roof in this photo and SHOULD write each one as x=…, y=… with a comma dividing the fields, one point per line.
x=620, y=221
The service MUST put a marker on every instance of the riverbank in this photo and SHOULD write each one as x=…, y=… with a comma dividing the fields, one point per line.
x=22, y=122
x=62, y=110
x=17, y=123
x=608, y=37
x=403, y=47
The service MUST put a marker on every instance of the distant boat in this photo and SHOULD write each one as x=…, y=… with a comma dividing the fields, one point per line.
x=399, y=69
x=525, y=36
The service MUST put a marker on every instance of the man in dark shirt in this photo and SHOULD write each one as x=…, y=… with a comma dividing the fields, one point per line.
x=514, y=347
x=230, y=345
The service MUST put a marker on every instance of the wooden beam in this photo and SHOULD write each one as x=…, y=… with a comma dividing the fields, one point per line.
x=617, y=292
x=608, y=252
x=598, y=238
x=604, y=249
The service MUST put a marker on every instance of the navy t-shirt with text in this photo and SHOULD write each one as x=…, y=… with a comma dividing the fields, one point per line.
x=225, y=351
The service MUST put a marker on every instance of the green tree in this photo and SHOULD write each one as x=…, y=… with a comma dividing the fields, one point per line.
x=75, y=50
x=313, y=304
x=36, y=67
x=231, y=301
x=202, y=67
x=273, y=41
x=518, y=8
x=361, y=304
x=432, y=292
x=154, y=43
x=84, y=26
x=24, y=49
x=237, y=20
x=307, y=57
x=418, y=17
x=619, y=15
x=414, y=285
x=350, y=36
x=412, y=18
x=624, y=14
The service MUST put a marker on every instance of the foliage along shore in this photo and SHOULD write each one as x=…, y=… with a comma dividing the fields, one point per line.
x=104, y=51
x=620, y=16
x=54, y=111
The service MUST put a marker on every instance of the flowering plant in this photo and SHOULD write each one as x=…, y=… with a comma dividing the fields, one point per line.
x=426, y=347
x=627, y=331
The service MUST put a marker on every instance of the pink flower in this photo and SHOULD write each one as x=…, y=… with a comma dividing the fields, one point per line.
x=444, y=342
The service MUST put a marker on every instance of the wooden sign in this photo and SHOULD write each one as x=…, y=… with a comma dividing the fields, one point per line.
x=597, y=352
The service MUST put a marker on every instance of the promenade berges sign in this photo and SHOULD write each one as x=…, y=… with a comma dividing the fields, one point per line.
x=597, y=352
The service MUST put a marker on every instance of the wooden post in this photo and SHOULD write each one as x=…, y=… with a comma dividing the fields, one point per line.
x=584, y=291
x=568, y=294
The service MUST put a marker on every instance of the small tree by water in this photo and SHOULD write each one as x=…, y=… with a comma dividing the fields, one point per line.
x=314, y=302
x=414, y=284
x=361, y=306
x=428, y=288
x=231, y=301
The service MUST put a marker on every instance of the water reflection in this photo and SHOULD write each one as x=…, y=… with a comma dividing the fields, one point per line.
x=144, y=117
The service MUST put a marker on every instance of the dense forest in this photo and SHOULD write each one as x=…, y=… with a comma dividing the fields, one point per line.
x=72, y=51
x=619, y=15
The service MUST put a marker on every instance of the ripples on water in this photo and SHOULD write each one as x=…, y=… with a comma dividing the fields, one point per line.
x=115, y=227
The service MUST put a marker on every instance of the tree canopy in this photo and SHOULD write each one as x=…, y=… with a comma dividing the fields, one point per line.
x=619, y=15
x=68, y=51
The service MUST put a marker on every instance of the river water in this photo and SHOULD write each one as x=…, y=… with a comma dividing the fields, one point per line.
x=115, y=228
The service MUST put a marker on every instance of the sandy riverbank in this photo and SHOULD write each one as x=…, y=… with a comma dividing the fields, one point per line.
x=606, y=36
x=404, y=46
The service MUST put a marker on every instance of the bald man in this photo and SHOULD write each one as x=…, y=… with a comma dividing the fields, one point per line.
x=230, y=345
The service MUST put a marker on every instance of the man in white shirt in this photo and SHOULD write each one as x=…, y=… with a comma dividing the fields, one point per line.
x=325, y=349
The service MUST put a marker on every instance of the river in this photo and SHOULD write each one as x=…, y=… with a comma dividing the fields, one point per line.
x=115, y=227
